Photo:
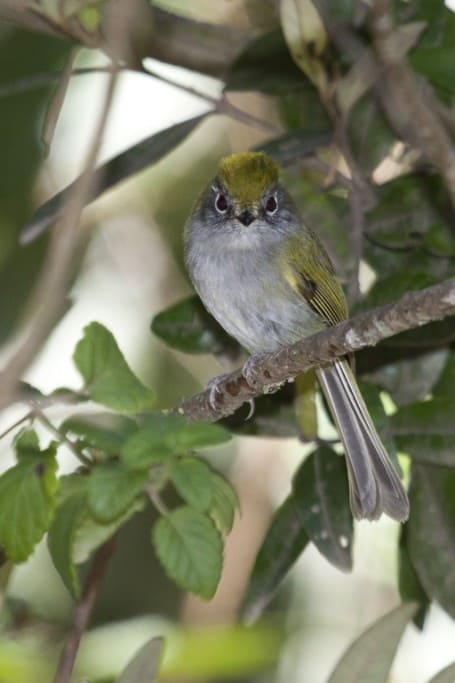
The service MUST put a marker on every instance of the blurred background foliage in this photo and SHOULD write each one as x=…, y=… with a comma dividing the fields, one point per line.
x=307, y=82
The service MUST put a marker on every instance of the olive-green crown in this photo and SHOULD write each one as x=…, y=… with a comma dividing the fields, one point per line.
x=246, y=176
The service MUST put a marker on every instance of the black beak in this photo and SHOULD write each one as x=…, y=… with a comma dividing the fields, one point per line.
x=246, y=217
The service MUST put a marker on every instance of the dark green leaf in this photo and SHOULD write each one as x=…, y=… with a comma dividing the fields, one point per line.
x=369, y=133
x=447, y=675
x=267, y=66
x=284, y=541
x=223, y=504
x=320, y=490
x=411, y=590
x=190, y=549
x=432, y=532
x=120, y=167
x=192, y=478
x=381, y=421
x=296, y=144
x=108, y=379
x=436, y=64
x=112, y=489
x=163, y=435
x=446, y=382
x=370, y=657
x=144, y=665
x=104, y=431
x=274, y=415
x=428, y=417
x=429, y=449
x=27, y=502
x=188, y=327
x=389, y=288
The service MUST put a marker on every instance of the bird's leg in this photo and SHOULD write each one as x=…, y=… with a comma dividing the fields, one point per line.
x=253, y=377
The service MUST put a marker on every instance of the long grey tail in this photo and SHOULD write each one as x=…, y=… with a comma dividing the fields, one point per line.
x=374, y=484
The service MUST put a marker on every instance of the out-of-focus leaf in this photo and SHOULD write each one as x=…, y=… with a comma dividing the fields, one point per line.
x=263, y=14
x=187, y=326
x=274, y=415
x=267, y=66
x=426, y=431
x=284, y=541
x=26, y=442
x=446, y=382
x=190, y=549
x=431, y=529
x=306, y=38
x=145, y=663
x=447, y=675
x=320, y=490
x=392, y=287
x=163, y=435
x=411, y=590
x=370, y=657
x=305, y=405
x=369, y=134
x=303, y=110
x=296, y=144
x=429, y=449
x=381, y=421
x=27, y=500
x=104, y=431
x=120, y=167
x=112, y=489
x=440, y=21
x=108, y=379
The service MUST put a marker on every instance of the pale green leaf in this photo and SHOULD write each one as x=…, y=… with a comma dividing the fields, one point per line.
x=224, y=503
x=112, y=488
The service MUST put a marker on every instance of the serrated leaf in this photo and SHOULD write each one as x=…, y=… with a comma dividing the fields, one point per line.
x=162, y=435
x=267, y=66
x=120, y=167
x=447, y=675
x=112, y=489
x=284, y=541
x=190, y=549
x=370, y=657
x=104, y=431
x=108, y=378
x=411, y=590
x=188, y=327
x=143, y=667
x=431, y=529
x=27, y=503
x=320, y=490
x=224, y=503
x=193, y=480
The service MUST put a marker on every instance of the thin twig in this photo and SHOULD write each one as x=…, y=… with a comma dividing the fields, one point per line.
x=27, y=416
x=41, y=417
x=364, y=330
x=49, y=296
x=83, y=611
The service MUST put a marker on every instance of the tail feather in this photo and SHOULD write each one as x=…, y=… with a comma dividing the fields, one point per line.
x=374, y=484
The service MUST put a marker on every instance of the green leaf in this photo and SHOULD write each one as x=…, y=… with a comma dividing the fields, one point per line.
x=284, y=541
x=143, y=667
x=112, y=489
x=426, y=431
x=26, y=442
x=296, y=144
x=429, y=449
x=27, y=502
x=392, y=287
x=436, y=64
x=107, y=377
x=103, y=431
x=320, y=490
x=447, y=675
x=432, y=532
x=120, y=167
x=274, y=415
x=163, y=435
x=444, y=386
x=370, y=657
x=223, y=504
x=381, y=421
x=190, y=549
x=62, y=533
x=192, y=479
x=411, y=590
x=266, y=65
x=188, y=327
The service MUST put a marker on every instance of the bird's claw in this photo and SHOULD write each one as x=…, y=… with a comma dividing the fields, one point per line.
x=253, y=376
x=213, y=387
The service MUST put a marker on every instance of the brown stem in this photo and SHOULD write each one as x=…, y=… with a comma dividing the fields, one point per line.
x=366, y=329
x=83, y=611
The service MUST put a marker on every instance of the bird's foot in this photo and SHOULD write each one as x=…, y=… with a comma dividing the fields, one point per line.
x=213, y=386
x=253, y=376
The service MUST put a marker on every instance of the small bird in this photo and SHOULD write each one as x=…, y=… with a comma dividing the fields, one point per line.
x=267, y=279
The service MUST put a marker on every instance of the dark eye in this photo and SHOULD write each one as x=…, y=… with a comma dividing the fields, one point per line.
x=271, y=205
x=221, y=203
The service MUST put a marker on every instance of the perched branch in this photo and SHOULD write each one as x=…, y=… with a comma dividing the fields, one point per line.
x=83, y=611
x=366, y=329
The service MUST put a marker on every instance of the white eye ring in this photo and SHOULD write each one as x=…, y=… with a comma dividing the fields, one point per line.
x=221, y=203
x=271, y=205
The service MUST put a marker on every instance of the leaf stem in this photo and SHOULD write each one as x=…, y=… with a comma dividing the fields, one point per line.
x=27, y=416
x=41, y=417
